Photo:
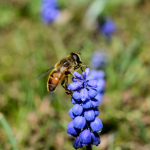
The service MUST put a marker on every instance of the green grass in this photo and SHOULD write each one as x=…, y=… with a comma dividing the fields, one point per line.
x=31, y=117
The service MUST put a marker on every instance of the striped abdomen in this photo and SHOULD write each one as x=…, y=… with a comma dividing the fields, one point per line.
x=53, y=80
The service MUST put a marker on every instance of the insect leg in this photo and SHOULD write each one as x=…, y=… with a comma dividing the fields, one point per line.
x=77, y=67
x=65, y=80
x=62, y=83
x=83, y=66
x=66, y=87
x=75, y=77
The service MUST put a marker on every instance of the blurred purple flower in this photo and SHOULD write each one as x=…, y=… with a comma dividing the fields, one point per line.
x=85, y=124
x=107, y=27
x=98, y=59
x=49, y=11
x=99, y=76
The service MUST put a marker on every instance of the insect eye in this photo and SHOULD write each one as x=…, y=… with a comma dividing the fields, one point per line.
x=76, y=57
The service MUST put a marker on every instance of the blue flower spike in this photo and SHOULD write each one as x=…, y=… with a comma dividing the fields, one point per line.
x=85, y=123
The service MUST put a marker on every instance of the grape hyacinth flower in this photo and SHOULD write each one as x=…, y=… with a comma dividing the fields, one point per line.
x=85, y=123
x=107, y=27
x=49, y=11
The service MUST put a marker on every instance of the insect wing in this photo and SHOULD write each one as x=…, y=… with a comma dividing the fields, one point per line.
x=44, y=73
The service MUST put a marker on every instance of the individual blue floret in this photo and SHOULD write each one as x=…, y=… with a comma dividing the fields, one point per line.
x=96, y=124
x=71, y=130
x=85, y=136
x=84, y=111
x=95, y=138
x=77, y=144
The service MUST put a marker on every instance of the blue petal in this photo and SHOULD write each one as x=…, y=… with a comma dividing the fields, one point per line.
x=84, y=94
x=77, y=95
x=74, y=101
x=84, y=75
x=92, y=92
x=96, y=124
x=95, y=102
x=79, y=122
x=71, y=115
x=77, y=109
x=74, y=79
x=85, y=136
x=75, y=86
x=78, y=75
x=89, y=115
x=92, y=83
x=77, y=144
x=96, y=111
x=87, y=104
x=96, y=74
x=101, y=86
x=87, y=70
x=95, y=138
x=99, y=97
x=71, y=130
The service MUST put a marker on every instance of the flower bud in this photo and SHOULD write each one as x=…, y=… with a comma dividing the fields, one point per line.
x=95, y=138
x=77, y=109
x=84, y=94
x=96, y=111
x=78, y=75
x=77, y=144
x=75, y=86
x=71, y=130
x=85, y=136
x=71, y=115
x=87, y=104
x=92, y=83
x=74, y=101
x=96, y=124
x=95, y=102
x=92, y=92
x=89, y=114
x=79, y=122
x=77, y=95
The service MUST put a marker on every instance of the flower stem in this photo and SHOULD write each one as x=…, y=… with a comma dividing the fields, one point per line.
x=89, y=147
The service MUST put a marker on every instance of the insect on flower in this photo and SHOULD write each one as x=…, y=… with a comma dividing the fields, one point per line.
x=61, y=70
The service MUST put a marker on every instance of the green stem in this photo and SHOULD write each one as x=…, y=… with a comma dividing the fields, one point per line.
x=8, y=131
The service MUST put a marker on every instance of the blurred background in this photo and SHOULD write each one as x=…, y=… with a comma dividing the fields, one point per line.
x=32, y=41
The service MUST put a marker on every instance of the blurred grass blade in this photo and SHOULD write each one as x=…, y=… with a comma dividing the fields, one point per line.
x=94, y=10
x=8, y=131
